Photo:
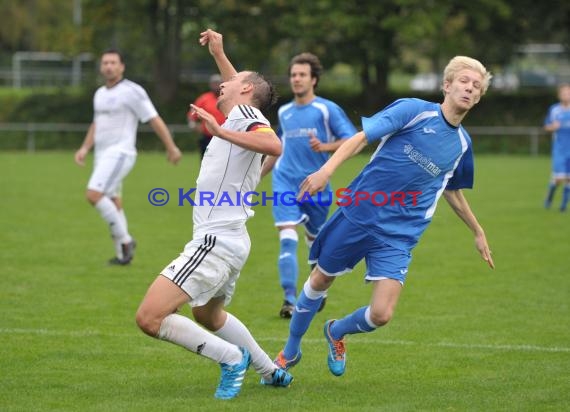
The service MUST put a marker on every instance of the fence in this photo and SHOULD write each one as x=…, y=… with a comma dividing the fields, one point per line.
x=32, y=133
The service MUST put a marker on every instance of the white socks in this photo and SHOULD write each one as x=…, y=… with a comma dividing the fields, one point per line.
x=117, y=222
x=237, y=333
x=184, y=332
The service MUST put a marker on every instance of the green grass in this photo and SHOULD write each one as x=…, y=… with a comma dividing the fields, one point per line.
x=464, y=338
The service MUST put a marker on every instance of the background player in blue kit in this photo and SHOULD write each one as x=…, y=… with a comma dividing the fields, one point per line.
x=422, y=148
x=557, y=122
x=311, y=127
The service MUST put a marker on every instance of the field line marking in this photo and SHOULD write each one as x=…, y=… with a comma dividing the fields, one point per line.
x=351, y=340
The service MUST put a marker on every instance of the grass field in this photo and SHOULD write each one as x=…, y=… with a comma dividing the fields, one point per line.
x=464, y=338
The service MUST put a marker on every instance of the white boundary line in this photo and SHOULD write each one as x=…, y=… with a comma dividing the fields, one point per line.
x=351, y=340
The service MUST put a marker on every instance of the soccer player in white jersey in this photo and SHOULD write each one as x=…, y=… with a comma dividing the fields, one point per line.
x=310, y=128
x=119, y=105
x=205, y=273
x=557, y=122
x=423, y=152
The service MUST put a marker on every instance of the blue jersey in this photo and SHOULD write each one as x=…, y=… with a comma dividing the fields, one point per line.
x=419, y=155
x=322, y=118
x=561, y=137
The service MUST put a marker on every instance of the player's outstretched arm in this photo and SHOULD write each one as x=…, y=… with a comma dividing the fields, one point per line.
x=214, y=40
x=318, y=180
x=461, y=207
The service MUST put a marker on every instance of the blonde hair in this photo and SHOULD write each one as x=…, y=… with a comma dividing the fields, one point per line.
x=459, y=63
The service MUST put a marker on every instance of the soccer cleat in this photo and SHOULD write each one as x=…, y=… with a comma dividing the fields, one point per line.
x=279, y=378
x=128, y=254
x=286, y=364
x=337, y=352
x=129, y=250
x=286, y=311
x=118, y=262
x=232, y=377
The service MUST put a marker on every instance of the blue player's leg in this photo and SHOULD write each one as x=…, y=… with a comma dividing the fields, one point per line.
x=306, y=307
x=288, y=268
x=566, y=182
x=317, y=215
x=309, y=239
x=365, y=319
x=565, y=197
x=550, y=194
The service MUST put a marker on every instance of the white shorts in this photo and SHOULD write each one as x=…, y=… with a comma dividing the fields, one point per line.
x=109, y=171
x=210, y=266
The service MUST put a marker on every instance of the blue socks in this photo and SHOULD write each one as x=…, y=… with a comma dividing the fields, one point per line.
x=565, y=198
x=307, y=306
x=550, y=195
x=288, y=267
x=357, y=322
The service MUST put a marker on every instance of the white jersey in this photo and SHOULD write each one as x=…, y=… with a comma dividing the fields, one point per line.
x=227, y=173
x=117, y=112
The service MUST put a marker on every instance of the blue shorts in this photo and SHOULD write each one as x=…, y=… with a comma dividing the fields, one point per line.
x=560, y=165
x=341, y=245
x=286, y=211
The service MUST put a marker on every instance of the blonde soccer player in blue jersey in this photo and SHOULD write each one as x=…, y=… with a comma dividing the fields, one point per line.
x=423, y=153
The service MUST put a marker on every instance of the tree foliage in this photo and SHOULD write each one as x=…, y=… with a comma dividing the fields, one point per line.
x=159, y=37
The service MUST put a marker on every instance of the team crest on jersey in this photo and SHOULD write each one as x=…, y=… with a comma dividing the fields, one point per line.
x=422, y=160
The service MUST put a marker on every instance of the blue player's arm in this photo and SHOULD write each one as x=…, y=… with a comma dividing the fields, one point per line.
x=461, y=207
x=318, y=180
x=341, y=128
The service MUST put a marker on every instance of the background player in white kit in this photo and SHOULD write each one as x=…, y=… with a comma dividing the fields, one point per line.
x=118, y=106
x=206, y=272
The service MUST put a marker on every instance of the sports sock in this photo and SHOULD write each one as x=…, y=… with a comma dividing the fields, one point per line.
x=288, y=268
x=550, y=194
x=565, y=197
x=123, y=218
x=357, y=322
x=181, y=331
x=108, y=211
x=237, y=333
x=307, y=305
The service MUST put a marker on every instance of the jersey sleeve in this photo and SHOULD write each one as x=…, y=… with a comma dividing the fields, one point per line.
x=464, y=172
x=140, y=104
x=259, y=127
x=340, y=124
x=391, y=119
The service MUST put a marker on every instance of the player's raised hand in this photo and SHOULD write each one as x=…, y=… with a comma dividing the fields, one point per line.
x=214, y=40
x=207, y=118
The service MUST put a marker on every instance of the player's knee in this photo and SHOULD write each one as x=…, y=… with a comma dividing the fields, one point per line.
x=381, y=317
x=147, y=323
x=93, y=197
x=320, y=281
